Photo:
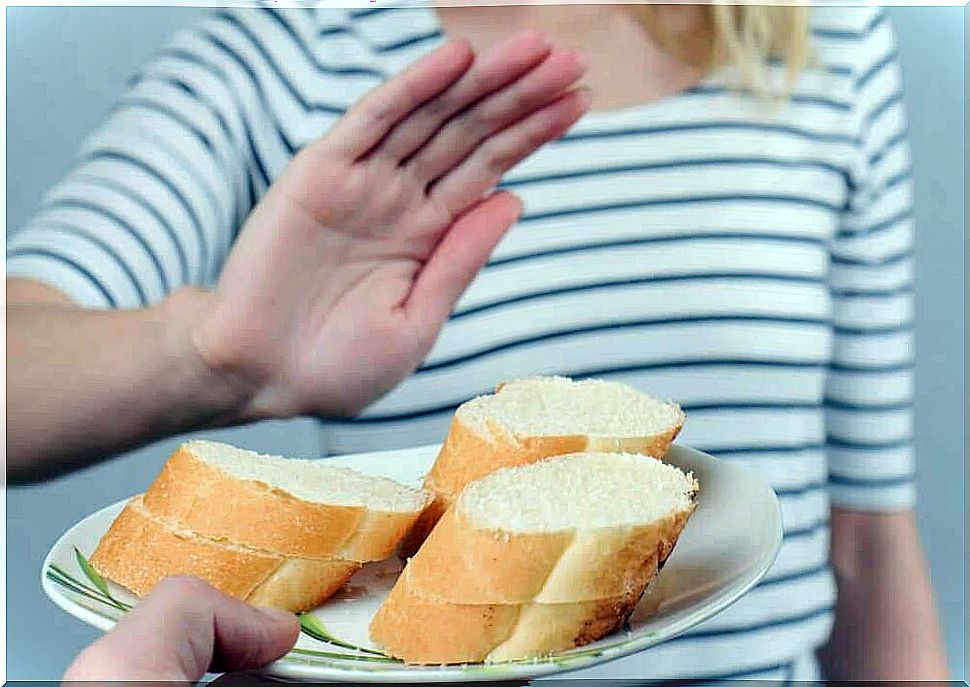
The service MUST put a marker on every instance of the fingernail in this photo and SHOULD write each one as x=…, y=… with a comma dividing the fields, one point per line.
x=276, y=614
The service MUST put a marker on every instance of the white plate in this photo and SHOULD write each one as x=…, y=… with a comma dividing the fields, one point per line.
x=727, y=547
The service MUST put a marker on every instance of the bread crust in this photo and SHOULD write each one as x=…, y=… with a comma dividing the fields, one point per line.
x=473, y=594
x=213, y=503
x=419, y=630
x=139, y=551
x=424, y=631
x=461, y=563
x=467, y=455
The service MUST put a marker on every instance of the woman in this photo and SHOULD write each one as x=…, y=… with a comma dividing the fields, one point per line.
x=729, y=225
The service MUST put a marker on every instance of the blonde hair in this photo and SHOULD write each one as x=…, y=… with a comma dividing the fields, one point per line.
x=744, y=36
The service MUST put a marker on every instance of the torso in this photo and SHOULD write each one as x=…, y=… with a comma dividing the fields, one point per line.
x=677, y=240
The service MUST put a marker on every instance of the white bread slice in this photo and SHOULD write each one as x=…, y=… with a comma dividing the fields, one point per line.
x=537, y=558
x=292, y=507
x=427, y=631
x=535, y=418
x=140, y=549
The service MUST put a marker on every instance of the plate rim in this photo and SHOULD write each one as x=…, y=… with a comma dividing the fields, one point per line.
x=292, y=667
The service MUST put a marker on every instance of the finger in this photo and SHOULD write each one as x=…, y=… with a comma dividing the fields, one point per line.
x=183, y=629
x=459, y=256
x=367, y=122
x=463, y=134
x=497, y=68
x=486, y=167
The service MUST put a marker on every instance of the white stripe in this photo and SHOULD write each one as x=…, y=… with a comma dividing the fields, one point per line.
x=869, y=463
x=871, y=387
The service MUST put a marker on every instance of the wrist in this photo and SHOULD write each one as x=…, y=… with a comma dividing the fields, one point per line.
x=224, y=392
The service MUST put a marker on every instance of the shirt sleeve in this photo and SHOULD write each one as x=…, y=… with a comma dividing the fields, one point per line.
x=157, y=192
x=869, y=389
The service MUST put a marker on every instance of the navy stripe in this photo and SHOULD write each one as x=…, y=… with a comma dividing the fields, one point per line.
x=873, y=482
x=867, y=75
x=849, y=34
x=520, y=181
x=753, y=405
x=887, y=146
x=706, y=362
x=873, y=293
x=74, y=204
x=302, y=46
x=130, y=194
x=281, y=76
x=617, y=283
x=724, y=405
x=798, y=98
x=221, y=76
x=734, y=450
x=408, y=42
x=889, y=223
x=370, y=11
x=867, y=407
x=796, y=575
x=836, y=442
x=41, y=253
x=106, y=248
x=335, y=31
x=830, y=68
x=801, y=490
x=894, y=99
x=720, y=126
x=232, y=148
x=597, y=373
x=896, y=180
x=202, y=183
x=872, y=369
x=632, y=324
x=682, y=200
x=218, y=43
x=123, y=156
x=670, y=238
x=873, y=331
x=807, y=530
x=145, y=103
x=755, y=627
x=893, y=259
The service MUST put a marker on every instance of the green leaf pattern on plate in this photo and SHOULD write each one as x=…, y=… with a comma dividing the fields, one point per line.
x=354, y=658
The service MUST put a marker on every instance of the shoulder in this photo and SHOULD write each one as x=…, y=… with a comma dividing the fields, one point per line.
x=852, y=39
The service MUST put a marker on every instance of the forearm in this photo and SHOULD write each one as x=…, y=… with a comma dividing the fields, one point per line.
x=82, y=385
x=886, y=625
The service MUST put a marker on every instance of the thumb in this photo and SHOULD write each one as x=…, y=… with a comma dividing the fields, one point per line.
x=459, y=256
x=183, y=629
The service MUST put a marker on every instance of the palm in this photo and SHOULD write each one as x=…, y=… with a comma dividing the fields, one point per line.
x=347, y=269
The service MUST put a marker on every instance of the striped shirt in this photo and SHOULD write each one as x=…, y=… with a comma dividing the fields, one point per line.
x=754, y=265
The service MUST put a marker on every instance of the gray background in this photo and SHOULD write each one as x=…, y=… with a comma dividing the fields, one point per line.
x=66, y=65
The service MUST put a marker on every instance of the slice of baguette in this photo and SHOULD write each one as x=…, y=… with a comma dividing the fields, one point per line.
x=474, y=633
x=537, y=558
x=140, y=549
x=292, y=507
x=535, y=418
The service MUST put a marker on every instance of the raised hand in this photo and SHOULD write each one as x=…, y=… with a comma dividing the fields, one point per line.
x=345, y=272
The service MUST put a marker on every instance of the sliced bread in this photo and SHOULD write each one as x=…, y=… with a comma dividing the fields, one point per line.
x=140, y=549
x=537, y=558
x=288, y=506
x=535, y=418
